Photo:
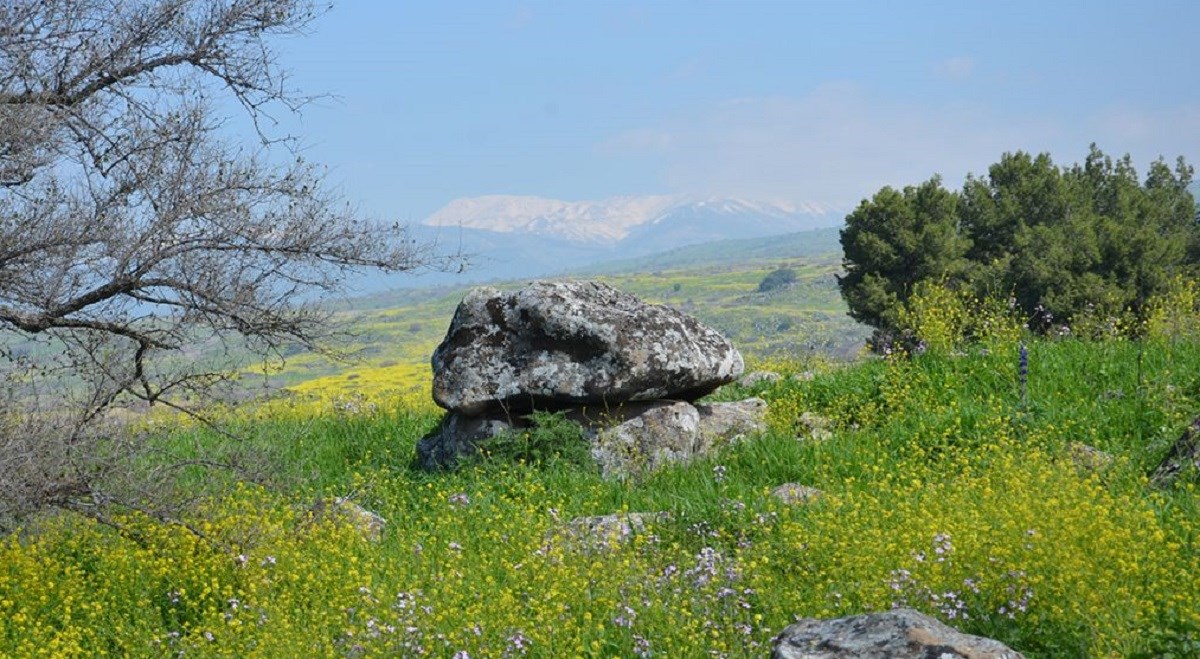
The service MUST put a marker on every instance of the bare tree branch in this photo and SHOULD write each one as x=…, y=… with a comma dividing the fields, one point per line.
x=130, y=228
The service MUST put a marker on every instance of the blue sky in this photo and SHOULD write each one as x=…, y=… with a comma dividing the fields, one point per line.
x=799, y=101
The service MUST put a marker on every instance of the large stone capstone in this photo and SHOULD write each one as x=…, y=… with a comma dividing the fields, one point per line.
x=560, y=344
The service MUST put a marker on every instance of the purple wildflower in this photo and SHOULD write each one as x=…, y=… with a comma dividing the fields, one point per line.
x=1023, y=370
x=517, y=645
x=641, y=647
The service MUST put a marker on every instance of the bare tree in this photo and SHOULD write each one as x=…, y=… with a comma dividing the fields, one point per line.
x=130, y=228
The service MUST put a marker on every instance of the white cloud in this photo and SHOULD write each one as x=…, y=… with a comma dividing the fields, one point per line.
x=956, y=68
x=840, y=144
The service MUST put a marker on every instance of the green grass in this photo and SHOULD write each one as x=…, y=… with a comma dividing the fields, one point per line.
x=940, y=451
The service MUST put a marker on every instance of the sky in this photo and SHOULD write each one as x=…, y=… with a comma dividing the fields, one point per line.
x=774, y=101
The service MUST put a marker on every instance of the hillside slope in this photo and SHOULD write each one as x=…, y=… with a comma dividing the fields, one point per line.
x=397, y=331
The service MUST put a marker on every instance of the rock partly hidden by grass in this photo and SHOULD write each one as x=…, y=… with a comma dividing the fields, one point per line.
x=945, y=488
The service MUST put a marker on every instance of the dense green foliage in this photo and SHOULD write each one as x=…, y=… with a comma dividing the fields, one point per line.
x=895, y=240
x=550, y=440
x=777, y=279
x=1060, y=241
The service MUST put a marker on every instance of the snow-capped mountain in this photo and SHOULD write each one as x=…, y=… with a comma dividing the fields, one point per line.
x=611, y=221
x=516, y=237
x=580, y=221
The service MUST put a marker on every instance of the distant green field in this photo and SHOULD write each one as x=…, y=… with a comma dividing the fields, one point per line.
x=395, y=332
x=804, y=244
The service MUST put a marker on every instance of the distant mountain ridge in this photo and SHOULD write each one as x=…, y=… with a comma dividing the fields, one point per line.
x=819, y=248
x=581, y=221
x=816, y=245
x=512, y=237
x=610, y=221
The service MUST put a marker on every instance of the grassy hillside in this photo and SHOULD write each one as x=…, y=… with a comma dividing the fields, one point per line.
x=959, y=481
x=944, y=488
x=804, y=244
x=397, y=332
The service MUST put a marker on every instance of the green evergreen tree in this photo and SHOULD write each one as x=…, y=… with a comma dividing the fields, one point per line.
x=1059, y=240
x=894, y=240
x=776, y=279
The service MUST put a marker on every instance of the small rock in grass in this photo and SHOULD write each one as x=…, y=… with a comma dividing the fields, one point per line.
x=795, y=493
x=604, y=532
x=369, y=524
x=896, y=634
x=1182, y=459
x=751, y=379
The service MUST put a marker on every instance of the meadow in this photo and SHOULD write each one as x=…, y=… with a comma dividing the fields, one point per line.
x=950, y=484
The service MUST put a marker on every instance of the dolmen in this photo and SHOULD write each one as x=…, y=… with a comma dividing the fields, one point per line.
x=629, y=372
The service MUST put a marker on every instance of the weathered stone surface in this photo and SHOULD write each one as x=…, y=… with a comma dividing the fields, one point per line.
x=369, y=524
x=664, y=432
x=642, y=437
x=630, y=439
x=603, y=532
x=1184, y=457
x=557, y=344
x=751, y=379
x=796, y=494
x=896, y=634
x=460, y=435
x=721, y=423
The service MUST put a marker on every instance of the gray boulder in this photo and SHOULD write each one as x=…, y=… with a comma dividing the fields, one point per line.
x=460, y=435
x=796, y=494
x=627, y=440
x=342, y=509
x=559, y=344
x=661, y=433
x=721, y=423
x=896, y=634
x=652, y=435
